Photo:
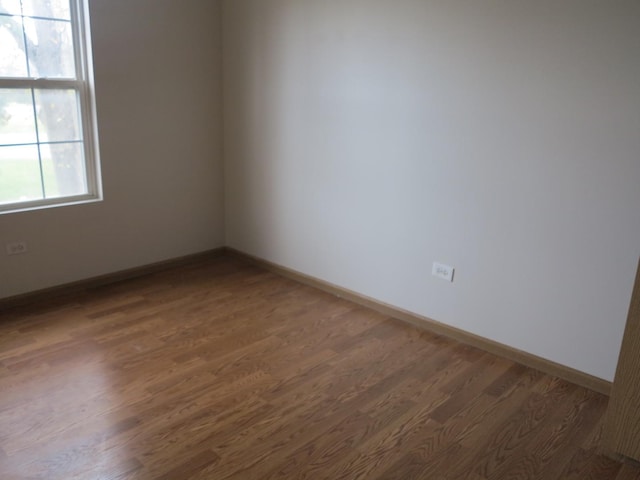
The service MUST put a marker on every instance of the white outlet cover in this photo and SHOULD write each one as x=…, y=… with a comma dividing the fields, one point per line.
x=445, y=272
x=16, y=248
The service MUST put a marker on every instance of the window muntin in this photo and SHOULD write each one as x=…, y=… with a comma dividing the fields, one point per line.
x=47, y=130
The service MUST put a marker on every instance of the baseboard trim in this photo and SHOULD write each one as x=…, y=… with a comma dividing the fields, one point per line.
x=73, y=288
x=424, y=323
x=547, y=366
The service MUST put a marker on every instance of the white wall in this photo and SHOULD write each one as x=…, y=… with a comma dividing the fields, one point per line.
x=157, y=67
x=365, y=139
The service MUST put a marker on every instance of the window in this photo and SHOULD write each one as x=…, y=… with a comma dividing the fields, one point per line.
x=48, y=153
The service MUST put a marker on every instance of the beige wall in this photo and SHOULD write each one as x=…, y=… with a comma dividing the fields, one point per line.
x=157, y=67
x=365, y=139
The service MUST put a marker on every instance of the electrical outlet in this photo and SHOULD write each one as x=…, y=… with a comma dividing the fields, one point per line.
x=445, y=272
x=16, y=248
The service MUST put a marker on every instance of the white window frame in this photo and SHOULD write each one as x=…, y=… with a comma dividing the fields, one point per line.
x=84, y=86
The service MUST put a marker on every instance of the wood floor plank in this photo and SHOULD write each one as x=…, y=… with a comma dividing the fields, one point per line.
x=629, y=472
x=192, y=466
x=222, y=370
x=555, y=441
x=586, y=465
x=515, y=419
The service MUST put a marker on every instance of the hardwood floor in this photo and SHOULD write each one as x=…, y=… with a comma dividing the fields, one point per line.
x=221, y=370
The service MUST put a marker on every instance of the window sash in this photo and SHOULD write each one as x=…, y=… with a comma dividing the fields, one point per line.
x=82, y=84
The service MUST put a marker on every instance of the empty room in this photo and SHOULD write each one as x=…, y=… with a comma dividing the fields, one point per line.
x=321, y=239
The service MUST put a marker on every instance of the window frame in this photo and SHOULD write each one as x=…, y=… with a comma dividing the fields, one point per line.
x=83, y=84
